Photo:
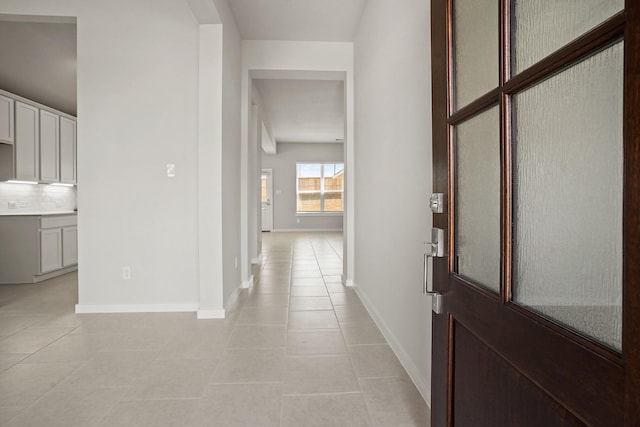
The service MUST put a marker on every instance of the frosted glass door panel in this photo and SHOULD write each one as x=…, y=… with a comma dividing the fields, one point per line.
x=477, y=243
x=540, y=27
x=476, y=31
x=568, y=197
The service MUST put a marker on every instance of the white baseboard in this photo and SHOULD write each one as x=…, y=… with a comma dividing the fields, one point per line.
x=414, y=373
x=53, y=274
x=304, y=230
x=248, y=284
x=210, y=314
x=257, y=260
x=135, y=308
x=233, y=298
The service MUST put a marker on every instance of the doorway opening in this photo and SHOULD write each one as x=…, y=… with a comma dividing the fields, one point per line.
x=297, y=117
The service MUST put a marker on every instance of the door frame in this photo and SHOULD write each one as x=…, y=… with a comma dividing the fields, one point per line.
x=627, y=367
x=269, y=173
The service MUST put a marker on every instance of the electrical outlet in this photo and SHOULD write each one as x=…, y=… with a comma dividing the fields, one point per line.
x=24, y=204
x=126, y=273
x=171, y=170
x=298, y=220
x=235, y=261
x=12, y=205
x=58, y=203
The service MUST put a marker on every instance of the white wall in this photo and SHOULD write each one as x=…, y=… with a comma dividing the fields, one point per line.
x=231, y=190
x=284, y=184
x=210, y=248
x=137, y=111
x=294, y=59
x=393, y=156
x=254, y=202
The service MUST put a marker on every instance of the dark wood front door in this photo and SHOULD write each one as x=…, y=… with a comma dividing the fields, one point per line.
x=536, y=147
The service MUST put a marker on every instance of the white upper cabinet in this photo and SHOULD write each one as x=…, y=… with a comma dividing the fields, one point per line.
x=27, y=142
x=37, y=143
x=49, y=147
x=7, y=134
x=67, y=150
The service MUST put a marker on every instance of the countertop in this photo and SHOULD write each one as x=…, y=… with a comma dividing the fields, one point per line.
x=38, y=213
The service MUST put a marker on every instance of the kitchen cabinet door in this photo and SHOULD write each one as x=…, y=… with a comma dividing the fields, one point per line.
x=49, y=147
x=50, y=250
x=67, y=150
x=6, y=120
x=69, y=246
x=27, y=143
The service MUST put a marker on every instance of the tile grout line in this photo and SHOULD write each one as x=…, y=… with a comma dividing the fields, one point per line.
x=361, y=391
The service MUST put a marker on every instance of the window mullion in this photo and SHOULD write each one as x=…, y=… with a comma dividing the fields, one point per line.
x=322, y=187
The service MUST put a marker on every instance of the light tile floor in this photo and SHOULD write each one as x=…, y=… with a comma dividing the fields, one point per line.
x=299, y=349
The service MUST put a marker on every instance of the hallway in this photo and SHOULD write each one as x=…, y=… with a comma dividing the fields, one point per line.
x=299, y=349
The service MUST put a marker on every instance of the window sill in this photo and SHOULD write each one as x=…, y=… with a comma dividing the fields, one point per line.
x=319, y=213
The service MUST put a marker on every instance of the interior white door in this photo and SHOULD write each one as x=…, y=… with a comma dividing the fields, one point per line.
x=266, y=191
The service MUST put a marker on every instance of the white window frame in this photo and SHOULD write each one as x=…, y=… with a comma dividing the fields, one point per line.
x=322, y=190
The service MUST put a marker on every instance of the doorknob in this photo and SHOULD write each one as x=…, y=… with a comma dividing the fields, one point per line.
x=435, y=250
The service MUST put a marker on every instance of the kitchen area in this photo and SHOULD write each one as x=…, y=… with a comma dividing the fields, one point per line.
x=38, y=146
x=38, y=219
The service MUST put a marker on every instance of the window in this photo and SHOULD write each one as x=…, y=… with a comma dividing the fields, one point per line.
x=320, y=187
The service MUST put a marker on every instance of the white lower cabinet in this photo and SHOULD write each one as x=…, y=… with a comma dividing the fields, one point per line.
x=37, y=247
x=69, y=246
x=50, y=250
x=58, y=242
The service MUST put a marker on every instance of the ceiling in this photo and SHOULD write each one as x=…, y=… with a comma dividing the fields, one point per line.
x=299, y=110
x=303, y=110
x=301, y=20
x=39, y=62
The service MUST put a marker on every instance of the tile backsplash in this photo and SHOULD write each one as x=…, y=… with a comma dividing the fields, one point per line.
x=36, y=198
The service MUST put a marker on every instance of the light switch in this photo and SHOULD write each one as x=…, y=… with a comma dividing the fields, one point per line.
x=171, y=170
